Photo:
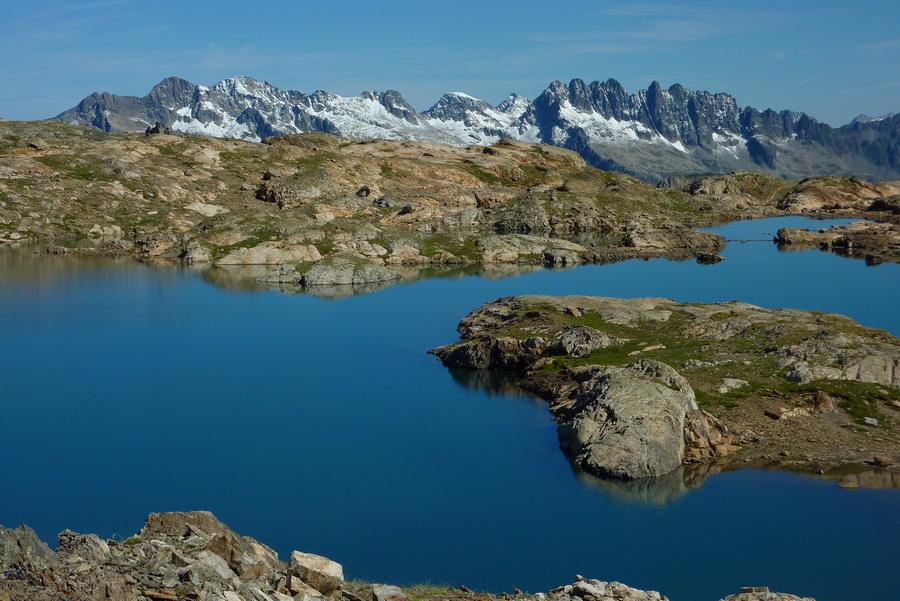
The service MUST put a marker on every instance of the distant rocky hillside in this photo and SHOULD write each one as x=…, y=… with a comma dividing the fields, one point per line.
x=314, y=210
x=651, y=134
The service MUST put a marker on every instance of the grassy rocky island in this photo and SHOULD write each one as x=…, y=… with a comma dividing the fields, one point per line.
x=194, y=556
x=640, y=387
x=315, y=210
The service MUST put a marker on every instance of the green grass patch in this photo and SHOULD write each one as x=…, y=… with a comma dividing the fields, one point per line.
x=85, y=167
x=464, y=247
x=534, y=174
x=265, y=234
x=8, y=142
x=430, y=592
x=313, y=162
x=858, y=399
x=325, y=246
x=485, y=176
x=174, y=151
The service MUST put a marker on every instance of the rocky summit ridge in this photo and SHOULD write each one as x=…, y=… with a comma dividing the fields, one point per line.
x=192, y=556
x=651, y=133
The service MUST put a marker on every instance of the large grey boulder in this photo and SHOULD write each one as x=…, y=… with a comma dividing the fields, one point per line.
x=628, y=422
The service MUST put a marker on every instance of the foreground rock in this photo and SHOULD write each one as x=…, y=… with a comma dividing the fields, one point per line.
x=640, y=387
x=193, y=556
x=299, y=201
x=874, y=242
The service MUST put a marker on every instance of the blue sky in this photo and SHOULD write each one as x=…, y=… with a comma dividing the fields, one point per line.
x=831, y=59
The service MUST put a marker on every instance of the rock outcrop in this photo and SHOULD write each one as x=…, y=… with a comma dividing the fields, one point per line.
x=188, y=556
x=874, y=242
x=623, y=378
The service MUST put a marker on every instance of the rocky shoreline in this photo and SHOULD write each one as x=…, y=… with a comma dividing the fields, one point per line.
x=873, y=242
x=640, y=387
x=313, y=210
x=188, y=556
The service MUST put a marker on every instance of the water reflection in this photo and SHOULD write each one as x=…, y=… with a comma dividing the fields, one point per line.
x=325, y=427
x=659, y=491
x=246, y=278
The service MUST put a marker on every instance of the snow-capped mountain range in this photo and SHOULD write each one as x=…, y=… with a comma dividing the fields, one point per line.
x=652, y=133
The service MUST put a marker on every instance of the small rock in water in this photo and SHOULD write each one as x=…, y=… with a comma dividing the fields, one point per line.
x=708, y=258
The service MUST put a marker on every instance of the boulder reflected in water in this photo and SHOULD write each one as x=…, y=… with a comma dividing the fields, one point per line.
x=657, y=491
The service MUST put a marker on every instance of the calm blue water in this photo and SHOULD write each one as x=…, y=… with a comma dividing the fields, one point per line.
x=323, y=426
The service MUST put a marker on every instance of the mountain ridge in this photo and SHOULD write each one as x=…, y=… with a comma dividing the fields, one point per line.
x=651, y=133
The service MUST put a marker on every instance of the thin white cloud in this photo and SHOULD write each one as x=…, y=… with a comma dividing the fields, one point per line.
x=881, y=46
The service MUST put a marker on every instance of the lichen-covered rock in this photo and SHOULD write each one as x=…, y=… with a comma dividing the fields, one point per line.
x=516, y=248
x=85, y=546
x=628, y=422
x=271, y=253
x=387, y=592
x=20, y=547
x=319, y=572
x=580, y=341
x=345, y=271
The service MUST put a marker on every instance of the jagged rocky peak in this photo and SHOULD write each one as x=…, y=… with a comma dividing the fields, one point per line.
x=456, y=106
x=175, y=90
x=514, y=104
x=862, y=118
x=394, y=103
